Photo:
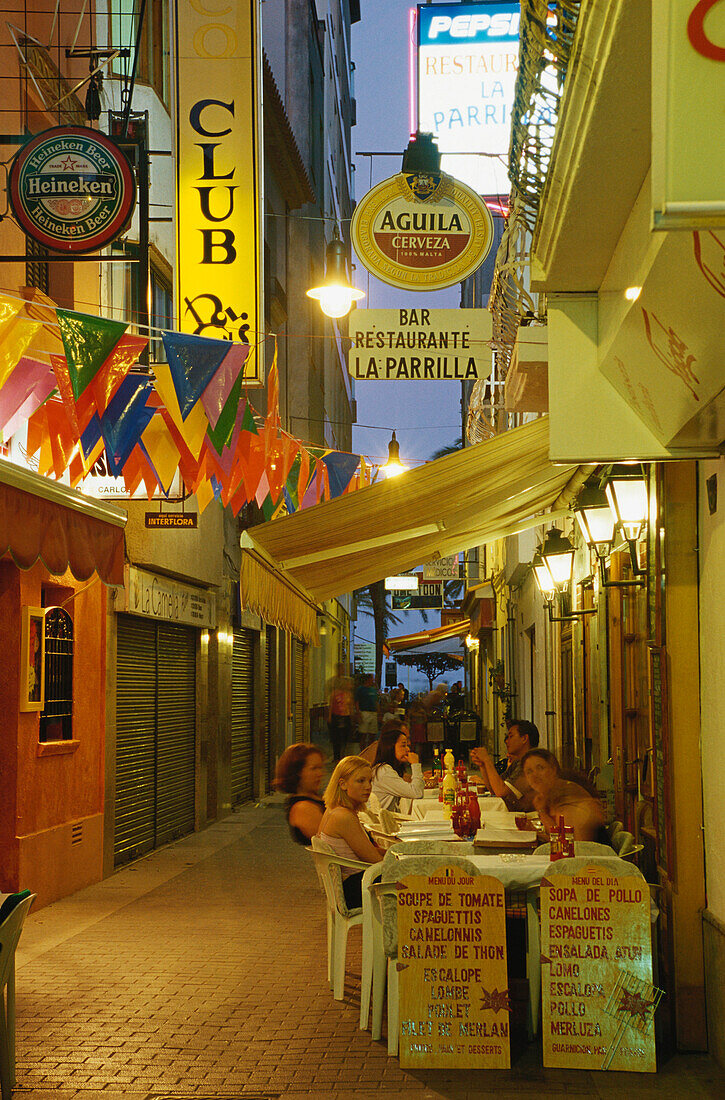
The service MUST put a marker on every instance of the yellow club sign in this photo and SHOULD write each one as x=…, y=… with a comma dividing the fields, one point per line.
x=219, y=268
x=422, y=230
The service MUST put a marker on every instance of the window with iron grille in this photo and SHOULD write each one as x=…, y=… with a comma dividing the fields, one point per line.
x=56, y=720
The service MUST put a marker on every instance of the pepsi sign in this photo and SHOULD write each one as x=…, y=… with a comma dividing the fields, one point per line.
x=494, y=22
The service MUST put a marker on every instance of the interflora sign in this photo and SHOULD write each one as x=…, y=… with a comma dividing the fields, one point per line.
x=72, y=189
x=422, y=230
x=467, y=65
x=219, y=265
x=404, y=345
x=454, y=999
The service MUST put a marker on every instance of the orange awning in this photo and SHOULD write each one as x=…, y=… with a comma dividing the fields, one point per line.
x=427, y=637
x=41, y=520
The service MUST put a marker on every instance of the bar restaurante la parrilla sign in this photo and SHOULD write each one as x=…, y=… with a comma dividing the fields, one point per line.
x=71, y=189
x=418, y=345
x=422, y=230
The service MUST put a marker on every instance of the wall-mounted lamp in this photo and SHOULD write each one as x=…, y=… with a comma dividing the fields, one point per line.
x=393, y=466
x=321, y=625
x=336, y=294
x=553, y=567
x=472, y=642
x=598, y=521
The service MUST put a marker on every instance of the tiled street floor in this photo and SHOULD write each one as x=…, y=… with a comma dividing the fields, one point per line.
x=200, y=972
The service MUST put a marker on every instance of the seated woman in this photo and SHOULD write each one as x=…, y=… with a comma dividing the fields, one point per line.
x=299, y=772
x=390, y=782
x=346, y=795
x=555, y=797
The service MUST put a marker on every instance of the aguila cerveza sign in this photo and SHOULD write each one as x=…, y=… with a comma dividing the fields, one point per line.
x=71, y=189
x=422, y=230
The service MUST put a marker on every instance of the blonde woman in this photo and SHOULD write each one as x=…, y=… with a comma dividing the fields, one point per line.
x=345, y=796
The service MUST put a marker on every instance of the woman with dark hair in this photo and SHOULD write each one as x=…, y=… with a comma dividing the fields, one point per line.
x=556, y=796
x=346, y=795
x=299, y=772
x=390, y=782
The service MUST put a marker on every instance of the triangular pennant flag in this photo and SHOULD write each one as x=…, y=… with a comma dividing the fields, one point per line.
x=193, y=429
x=341, y=468
x=79, y=412
x=26, y=387
x=204, y=495
x=221, y=435
x=162, y=452
x=193, y=361
x=215, y=396
x=88, y=342
x=125, y=420
x=116, y=367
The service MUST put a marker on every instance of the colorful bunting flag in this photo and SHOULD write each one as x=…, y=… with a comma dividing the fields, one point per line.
x=193, y=362
x=88, y=342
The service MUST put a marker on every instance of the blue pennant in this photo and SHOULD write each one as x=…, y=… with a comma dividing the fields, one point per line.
x=125, y=420
x=193, y=362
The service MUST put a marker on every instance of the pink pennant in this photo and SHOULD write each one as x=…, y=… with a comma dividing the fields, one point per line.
x=262, y=490
x=216, y=393
x=26, y=388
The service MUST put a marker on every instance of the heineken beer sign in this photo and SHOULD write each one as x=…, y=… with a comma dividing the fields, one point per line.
x=72, y=189
x=422, y=230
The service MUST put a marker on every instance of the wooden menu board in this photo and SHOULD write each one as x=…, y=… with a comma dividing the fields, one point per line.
x=454, y=1003
x=596, y=970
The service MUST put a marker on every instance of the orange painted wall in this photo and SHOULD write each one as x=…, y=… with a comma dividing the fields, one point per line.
x=41, y=792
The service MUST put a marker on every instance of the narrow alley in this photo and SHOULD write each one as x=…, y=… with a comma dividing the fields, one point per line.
x=199, y=971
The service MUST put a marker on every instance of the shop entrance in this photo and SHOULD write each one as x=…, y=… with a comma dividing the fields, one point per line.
x=155, y=735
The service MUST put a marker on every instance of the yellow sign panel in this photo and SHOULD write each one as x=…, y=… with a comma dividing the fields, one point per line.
x=453, y=984
x=218, y=151
x=422, y=231
x=596, y=971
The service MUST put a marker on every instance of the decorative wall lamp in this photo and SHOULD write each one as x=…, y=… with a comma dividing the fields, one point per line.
x=336, y=294
x=553, y=567
x=599, y=517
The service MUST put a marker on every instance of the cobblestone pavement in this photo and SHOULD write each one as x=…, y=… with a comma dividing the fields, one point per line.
x=200, y=972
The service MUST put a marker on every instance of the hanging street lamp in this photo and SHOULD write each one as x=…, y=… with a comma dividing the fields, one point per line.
x=335, y=294
x=393, y=466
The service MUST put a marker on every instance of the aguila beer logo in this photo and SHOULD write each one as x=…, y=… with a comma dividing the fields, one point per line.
x=71, y=189
x=422, y=231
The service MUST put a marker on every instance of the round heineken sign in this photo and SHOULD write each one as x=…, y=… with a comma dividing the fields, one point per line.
x=422, y=230
x=71, y=189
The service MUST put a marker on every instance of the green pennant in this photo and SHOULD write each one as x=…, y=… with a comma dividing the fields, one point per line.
x=292, y=479
x=88, y=341
x=248, y=424
x=221, y=435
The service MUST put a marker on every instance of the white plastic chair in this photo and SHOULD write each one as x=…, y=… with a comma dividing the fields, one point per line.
x=10, y=930
x=340, y=919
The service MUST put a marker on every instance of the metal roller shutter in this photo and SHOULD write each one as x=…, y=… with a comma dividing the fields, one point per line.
x=135, y=737
x=242, y=716
x=155, y=735
x=299, y=688
x=175, y=732
x=268, y=732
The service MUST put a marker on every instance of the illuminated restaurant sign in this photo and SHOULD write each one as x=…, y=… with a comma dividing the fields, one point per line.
x=218, y=135
x=71, y=189
x=467, y=66
x=408, y=345
x=421, y=230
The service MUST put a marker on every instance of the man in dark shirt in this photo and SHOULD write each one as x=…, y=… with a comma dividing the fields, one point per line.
x=511, y=786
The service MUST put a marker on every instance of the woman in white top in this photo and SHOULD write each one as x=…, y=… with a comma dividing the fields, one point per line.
x=390, y=782
x=345, y=796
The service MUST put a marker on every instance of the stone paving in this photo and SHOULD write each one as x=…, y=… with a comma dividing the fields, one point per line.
x=200, y=971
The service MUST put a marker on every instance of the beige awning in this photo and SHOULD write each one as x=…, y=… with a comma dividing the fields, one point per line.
x=42, y=520
x=497, y=488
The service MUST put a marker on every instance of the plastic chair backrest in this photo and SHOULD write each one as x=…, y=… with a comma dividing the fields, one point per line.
x=622, y=842
x=330, y=875
x=10, y=930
